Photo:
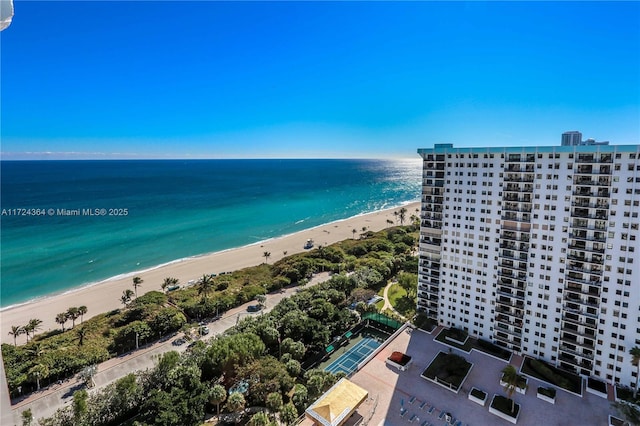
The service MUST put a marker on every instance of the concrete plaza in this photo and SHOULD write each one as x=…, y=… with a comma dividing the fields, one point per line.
x=390, y=390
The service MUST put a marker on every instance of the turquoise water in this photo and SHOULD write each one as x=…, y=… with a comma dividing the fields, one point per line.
x=175, y=209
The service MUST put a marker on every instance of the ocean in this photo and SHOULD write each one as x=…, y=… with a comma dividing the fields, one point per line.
x=67, y=224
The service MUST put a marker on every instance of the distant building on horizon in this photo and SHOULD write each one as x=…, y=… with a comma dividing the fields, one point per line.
x=536, y=250
x=574, y=138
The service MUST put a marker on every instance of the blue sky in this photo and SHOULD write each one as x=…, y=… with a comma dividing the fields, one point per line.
x=246, y=80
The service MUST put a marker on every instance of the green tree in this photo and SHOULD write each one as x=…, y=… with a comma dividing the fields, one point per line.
x=296, y=349
x=81, y=332
x=262, y=300
x=32, y=326
x=39, y=372
x=236, y=403
x=62, y=318
x=168, y=282
x=259, y=419
x=266, y=256
x=274, y=402
x=635, y=360
x=87, y=373
x=409, y=282
x=125, y=299
x=80, y=406
x=16, y=331
x=354, y=231
x=402, y=215
x=300, y=397
x=27, y=417
x=206, y=286
x=510, y=377
x=288, y=414
x=218, y=396
x=293, y=367
x=137, y=282
x=82, y=310
x=73, y=313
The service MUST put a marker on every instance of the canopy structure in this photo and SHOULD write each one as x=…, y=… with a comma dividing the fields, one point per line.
x=337, y=404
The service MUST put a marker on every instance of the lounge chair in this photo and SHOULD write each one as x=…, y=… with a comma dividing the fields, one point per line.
x=403, y=411
x=431, y=409
x=412, y=418
x=423, y=405
x=412, y=400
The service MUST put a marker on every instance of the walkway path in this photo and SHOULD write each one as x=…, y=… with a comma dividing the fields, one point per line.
x=387, y=303
x=45, y=402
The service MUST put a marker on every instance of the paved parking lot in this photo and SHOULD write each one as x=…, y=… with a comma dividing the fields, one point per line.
x=390, y=390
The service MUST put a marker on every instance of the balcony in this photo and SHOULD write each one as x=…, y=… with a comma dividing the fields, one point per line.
x=567, y=349
x=522, y=217
x=518, y=285
x=512, y=303
x=516, y=313
x=506, y=292
x=515, y=207
x=580, y=245
x=570, y=329
x=506, y=263
x=594, y=159
x=515, y=187
x=579, y=300
x=508, y=254
x=514, y=177
x=514, y=158
x=594, y=258
x=575, y=319
x=510, y=274
x=520, y=168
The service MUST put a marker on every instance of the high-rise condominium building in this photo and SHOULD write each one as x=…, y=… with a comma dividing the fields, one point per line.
x=537, y=250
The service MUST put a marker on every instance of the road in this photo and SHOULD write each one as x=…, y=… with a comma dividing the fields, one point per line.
x=45, y=402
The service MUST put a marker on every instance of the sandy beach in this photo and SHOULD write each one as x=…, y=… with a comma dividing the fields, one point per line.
x=105, y=296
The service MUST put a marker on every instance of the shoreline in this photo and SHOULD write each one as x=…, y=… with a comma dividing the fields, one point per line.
x=104, y=296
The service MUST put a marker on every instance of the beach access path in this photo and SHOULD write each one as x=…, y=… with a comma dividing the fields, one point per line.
x=45, y=402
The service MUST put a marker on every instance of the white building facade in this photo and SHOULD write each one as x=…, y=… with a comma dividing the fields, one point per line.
x=536, y=249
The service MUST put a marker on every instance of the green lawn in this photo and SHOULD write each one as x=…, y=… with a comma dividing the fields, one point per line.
x=399, y=300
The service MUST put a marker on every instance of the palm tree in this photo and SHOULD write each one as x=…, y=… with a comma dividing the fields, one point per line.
x=81, y=332
x=32, y=326
x=73, y=313
x=126, y=297
x=82, y=310
x=168, y=282
x=137, y=282
x=206, y=286
x=402, y=215
x=266, y=255
x=510, y=377
x=61, y=318
x=284, y=253
x=635, y=360
x=39, y=371
x=16, y=330
x=389, y=222
x=354, y=231
x=218, y=396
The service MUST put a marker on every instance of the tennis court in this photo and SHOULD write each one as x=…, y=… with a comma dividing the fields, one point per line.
x=348, y=362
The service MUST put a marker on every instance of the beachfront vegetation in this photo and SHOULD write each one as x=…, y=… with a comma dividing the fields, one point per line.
x=273, y=347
